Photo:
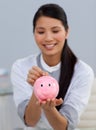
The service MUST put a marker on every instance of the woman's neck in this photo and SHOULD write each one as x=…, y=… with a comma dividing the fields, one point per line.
x=51, y=60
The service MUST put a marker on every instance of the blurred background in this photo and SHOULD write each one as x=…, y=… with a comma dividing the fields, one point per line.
x=17, y=41
x=16, y=37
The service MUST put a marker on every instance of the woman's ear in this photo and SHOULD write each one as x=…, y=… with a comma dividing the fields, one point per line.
x=67, y=33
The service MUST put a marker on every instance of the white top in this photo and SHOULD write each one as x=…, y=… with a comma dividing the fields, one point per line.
x=76, y=97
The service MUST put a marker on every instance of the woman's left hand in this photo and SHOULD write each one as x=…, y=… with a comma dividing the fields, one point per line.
x=49, y=104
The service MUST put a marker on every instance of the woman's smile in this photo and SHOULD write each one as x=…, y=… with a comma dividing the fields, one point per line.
x=49, y=46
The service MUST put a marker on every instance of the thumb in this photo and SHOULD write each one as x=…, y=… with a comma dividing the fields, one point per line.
x=59, y=101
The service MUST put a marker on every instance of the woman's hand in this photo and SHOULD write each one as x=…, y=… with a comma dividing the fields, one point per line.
x=49, y=104
x=34, y=73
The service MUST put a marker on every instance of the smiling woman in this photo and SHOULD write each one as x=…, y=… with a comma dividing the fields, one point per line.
x=50, y=28
x=50, y=36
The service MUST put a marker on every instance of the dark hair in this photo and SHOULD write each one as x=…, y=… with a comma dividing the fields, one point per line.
x=68, y=59
x=53, y=11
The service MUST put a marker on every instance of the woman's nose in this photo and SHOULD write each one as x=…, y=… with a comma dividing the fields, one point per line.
x=48, y=36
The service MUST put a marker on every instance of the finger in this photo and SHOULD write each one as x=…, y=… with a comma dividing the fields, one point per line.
x=48, y=102
x=42, y=104
x=46, y=73
x=38, y=71
x=59, y=101
x=33, y=76
x=34, y=72
x=30, y=81
x=53, y=103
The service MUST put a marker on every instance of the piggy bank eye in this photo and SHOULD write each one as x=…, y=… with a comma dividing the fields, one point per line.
x=41, y=85
x=49, y=85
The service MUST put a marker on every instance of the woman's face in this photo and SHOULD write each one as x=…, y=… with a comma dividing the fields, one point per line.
x=50, y=36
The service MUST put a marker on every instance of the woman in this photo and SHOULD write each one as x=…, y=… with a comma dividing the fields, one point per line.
x=50, y=28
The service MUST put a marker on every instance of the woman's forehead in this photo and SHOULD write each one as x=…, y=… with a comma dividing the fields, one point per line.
x=47, y=21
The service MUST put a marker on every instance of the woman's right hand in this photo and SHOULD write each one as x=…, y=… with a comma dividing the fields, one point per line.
x=34, y=73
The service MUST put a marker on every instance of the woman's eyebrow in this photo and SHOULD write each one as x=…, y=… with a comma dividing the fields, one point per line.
x=56, y=27
x=39, y=27
x=42, y=28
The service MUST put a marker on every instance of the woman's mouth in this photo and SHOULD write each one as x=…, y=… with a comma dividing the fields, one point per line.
x=49, y=46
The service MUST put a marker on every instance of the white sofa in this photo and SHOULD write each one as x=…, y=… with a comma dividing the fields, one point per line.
x=88, y=118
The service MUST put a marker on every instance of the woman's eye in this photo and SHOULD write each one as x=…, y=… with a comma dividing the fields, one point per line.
x=40, y=32
x=55, y=31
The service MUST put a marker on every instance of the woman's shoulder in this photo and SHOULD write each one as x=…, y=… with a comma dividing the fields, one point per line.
x=28, y=60
x=83, y=70
x=24, y=64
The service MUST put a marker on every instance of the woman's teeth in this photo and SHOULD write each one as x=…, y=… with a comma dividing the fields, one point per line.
x=50, y=46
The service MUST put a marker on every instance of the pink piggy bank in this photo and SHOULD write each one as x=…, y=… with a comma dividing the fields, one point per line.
x=46, y=87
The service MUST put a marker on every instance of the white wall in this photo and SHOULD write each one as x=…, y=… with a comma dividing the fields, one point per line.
x=16, y=38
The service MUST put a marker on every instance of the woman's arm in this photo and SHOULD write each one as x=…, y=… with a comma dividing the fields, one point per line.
x=56, y=120
x=32, y=112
